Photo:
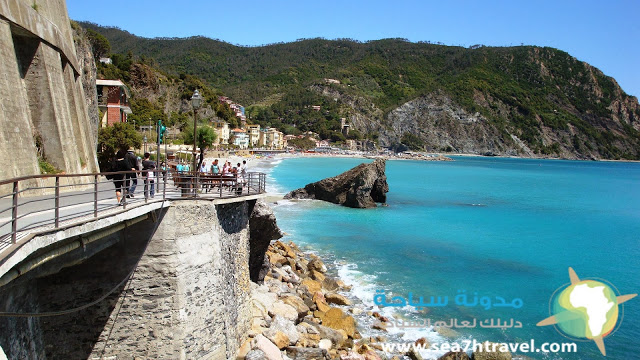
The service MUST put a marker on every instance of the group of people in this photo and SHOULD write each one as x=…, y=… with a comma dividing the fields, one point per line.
x=126, y=184
x=183, y=167
x=215, y=168
x=226, y=170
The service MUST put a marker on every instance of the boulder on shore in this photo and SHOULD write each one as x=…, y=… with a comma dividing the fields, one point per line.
x=491, y=351
x=361, y=187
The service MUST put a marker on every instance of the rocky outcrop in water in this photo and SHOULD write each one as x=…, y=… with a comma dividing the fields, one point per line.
x=361, y=187
x=262, y=229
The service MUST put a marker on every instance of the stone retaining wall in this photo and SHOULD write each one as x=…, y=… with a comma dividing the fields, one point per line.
x=43, y=110
x=187, y=299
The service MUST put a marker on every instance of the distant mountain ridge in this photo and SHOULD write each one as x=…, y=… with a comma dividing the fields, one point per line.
x=522, y=101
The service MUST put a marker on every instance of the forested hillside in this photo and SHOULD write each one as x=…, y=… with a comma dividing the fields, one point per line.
x=523, y=101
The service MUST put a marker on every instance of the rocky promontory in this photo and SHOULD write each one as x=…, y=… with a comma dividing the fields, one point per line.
x=361, y=187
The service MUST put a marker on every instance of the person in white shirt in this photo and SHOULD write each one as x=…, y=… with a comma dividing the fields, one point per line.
x=243, y=168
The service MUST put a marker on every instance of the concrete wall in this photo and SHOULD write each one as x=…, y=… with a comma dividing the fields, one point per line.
x=188, y=297
x=42, y=102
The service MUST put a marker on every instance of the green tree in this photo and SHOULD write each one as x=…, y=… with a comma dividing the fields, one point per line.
x=354, y=135
x=146, y=113
x=179, y=120
x=100, y=46
x=303, y=144
x=412, y=141
x=206, y=137
x=122, y=62
x=119, y=136
x=337, y=136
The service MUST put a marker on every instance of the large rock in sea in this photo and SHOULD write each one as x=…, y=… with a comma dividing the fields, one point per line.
x=361, y=187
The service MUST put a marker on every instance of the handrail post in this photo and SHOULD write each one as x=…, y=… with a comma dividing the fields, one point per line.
x=95, y=196
x=14, y=214
x=164, y=188
x=195, y=189
x=57, y=202
x=125, y=189
x=147, y=189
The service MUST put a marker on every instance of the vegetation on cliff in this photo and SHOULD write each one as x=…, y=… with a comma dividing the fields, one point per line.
x=554, y=104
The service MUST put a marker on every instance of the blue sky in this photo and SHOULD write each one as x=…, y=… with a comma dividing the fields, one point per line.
x=605, y=34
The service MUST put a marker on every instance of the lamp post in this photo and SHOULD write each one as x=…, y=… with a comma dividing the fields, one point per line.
x=196, y=100
x=145, y=142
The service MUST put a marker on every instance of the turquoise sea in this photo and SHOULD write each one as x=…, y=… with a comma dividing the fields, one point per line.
x=490, y=227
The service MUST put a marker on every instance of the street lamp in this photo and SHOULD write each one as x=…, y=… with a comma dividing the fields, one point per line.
x=145, y=142
x=196, y=100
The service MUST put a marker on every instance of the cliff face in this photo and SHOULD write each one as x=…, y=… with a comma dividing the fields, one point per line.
x=262, y=229
x=443, y=125
x=163, y=93
x=89, y=75
x=440, y=122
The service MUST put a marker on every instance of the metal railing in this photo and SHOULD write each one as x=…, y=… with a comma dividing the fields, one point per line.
x=45, y=202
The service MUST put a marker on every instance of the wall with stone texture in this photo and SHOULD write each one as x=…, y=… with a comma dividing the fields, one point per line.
x=42, y=101
x=188, y=297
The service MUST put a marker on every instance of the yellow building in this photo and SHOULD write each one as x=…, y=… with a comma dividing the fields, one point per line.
x=271, y=138
x=222, y=131
x=254, y=135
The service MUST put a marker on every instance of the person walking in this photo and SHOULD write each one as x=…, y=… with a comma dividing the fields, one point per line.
x=243, y=168
x=120, y=163
x=132, y=178
x=149, y=174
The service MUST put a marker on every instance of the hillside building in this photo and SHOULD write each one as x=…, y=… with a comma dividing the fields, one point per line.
x=254, y=134
x=113, y=101
x=271, y=138
x=222, y=131
x=344, y=127
x=240, y=138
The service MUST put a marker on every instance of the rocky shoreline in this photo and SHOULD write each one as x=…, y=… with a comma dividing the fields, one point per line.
x=299, y=313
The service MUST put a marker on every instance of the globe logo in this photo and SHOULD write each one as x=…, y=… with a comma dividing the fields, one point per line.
x=586, y=309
